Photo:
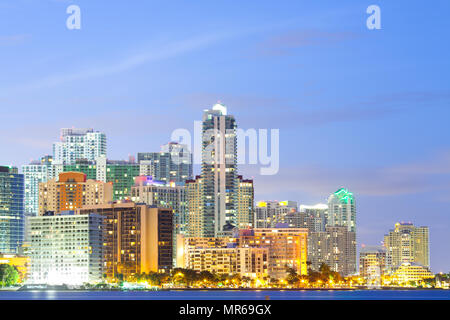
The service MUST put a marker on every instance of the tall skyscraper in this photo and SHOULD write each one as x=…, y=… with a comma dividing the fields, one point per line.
x=407, y=243
x=79, y=144
x=12, y=219
x=172, y=164
x=34, y=173
x=219, y=171
x=342, y=209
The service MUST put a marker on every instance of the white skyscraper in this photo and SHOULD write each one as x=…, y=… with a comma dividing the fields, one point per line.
x=342, y=210
x=219, y=171
x=79, y=144
x=35, y=173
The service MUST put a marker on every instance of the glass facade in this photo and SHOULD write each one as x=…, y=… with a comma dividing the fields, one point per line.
x=11, y=210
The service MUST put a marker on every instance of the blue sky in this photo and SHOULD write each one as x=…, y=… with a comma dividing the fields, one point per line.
x=365, y=109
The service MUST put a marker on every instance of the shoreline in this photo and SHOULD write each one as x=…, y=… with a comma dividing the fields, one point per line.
x=52, y=288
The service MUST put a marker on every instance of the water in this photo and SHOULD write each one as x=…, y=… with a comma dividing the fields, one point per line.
x=229, y=295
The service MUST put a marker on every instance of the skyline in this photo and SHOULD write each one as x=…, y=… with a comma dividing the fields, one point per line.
x=359, y=114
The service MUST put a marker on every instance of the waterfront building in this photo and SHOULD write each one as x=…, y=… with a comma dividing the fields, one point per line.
x=12, y=217
x=287, y=247
x=172, y=164
x=269, y=213
x=222, y=256
x=34, y=173
x=72, y=191
x=342, y=209
x=245, y=203
x=336, y=247
x=137, y=238
x=372, y=263
x=77, y=144
x=158, y=193
x=219, y=171
x=65, y=248
x=410, y=272
x=407, y=243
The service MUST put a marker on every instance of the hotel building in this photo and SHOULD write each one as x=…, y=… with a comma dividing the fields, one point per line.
x=408, y=272
x=336, y=247
x=72, y=191
x=407, y=243
x=287, y=247
x=65, y=248
x=372, y=263
x=137, y=238
x=222, y=256
x=159, y=194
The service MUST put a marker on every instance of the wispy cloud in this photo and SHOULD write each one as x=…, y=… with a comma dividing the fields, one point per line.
x=429, y=175
x=286, y=42
x=152, y=54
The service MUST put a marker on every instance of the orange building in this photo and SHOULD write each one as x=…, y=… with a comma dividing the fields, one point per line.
x=72, y=191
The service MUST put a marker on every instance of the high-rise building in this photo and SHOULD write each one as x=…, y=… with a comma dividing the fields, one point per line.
x=65, y=248
x=120, y=173
x=287, y=248
x=336, y=247
x=172, y=164
x=12, y=218
x=194, y=213
x=219, y=171
x=342, y=209
x=34, y=173
x=372, y=263
x=72, y=191
x=316, y=216
x=79, y=144
x=86, y=166
x=158, y=193
x=407, y=243
x=137, y=238
x=245, y=203
x=270, y=213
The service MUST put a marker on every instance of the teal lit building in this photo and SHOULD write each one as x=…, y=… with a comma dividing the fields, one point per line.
x=342, y=210
x=12, y=215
